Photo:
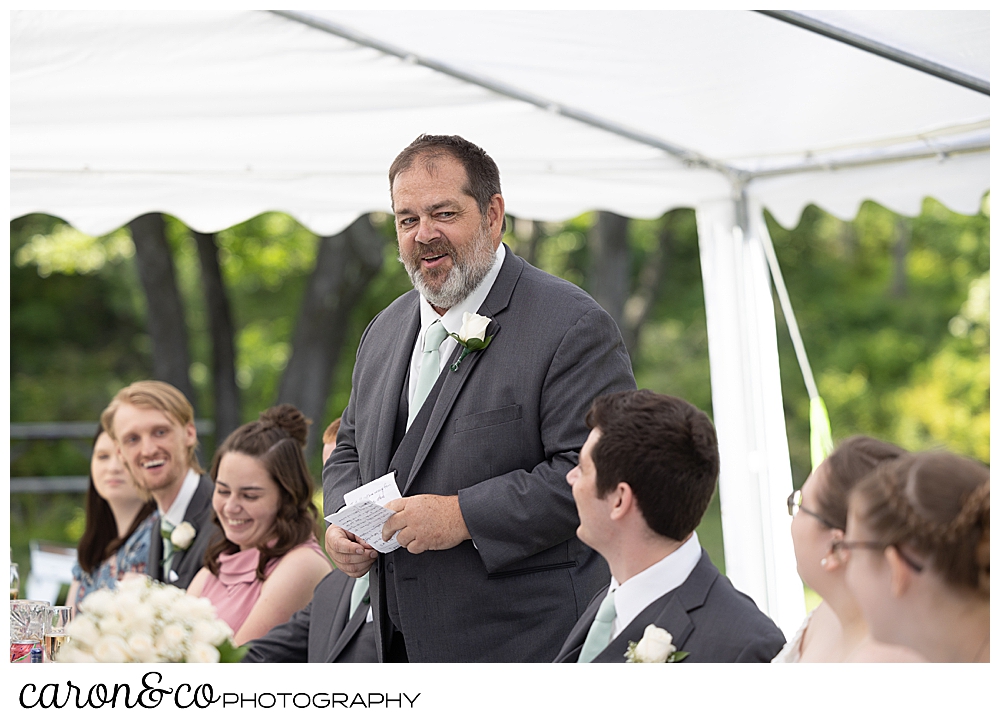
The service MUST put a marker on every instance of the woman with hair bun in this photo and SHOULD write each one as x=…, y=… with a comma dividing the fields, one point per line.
x=835, y=632
x=917, y=550
x=264, y=566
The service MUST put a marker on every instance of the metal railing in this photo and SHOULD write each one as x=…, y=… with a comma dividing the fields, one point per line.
x=53, y=431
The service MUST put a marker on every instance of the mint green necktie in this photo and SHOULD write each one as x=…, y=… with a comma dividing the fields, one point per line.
x=430, y=368
x=359, y=594
x=166, y=528
x=600, y=630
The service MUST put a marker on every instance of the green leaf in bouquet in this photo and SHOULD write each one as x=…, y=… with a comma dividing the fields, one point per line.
x=230, y=654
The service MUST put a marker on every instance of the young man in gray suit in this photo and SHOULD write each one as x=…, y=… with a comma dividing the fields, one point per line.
x=645, y=478
x=490, y=568
x=152, y=424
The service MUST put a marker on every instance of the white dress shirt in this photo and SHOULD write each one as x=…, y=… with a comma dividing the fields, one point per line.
x=452, y=321
x=175, y=515
x=639, y=591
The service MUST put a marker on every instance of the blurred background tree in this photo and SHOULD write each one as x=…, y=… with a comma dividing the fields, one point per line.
x=894, y=313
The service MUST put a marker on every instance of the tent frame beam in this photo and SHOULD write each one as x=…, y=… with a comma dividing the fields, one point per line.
x=880, y=49
x=690, y=158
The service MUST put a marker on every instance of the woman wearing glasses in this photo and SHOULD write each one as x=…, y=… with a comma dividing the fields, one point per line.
x=835, y=631
x=918, y=555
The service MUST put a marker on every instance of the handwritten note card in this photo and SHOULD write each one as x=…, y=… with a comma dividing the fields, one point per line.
x=364, y=515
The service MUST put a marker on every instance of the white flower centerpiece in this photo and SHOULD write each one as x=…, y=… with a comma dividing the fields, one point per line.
x=143, y=621
x=472, y=336
x=656, y=646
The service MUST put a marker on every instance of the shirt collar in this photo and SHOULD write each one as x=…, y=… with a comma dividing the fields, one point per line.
x=640, y=591
x=175, y=515
x=452, y=319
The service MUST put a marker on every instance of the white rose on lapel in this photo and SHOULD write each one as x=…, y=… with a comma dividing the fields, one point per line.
x=472, y=336
x=183, y=535
x=656, y=646
x=473, y=327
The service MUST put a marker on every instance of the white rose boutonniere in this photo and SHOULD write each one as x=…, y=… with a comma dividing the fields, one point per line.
x=183, y=535
x=656, y=646
x=472, y=336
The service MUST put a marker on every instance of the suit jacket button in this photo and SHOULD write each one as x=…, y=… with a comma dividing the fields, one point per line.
x=388, y=567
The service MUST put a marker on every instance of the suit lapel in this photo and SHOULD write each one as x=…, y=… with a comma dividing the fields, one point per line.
x=496, y=302
x=197, y=513
x=154, y=566
x=397, y=363
x=347, y=634
x=669, y=612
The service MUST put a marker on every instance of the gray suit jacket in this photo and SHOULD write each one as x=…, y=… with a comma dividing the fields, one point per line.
x=321, y=632
x=502, y=433
x=186, y=563
x=707, y=617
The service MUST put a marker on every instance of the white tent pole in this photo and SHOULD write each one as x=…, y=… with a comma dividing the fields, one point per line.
x=880, y=49
x=755, y=477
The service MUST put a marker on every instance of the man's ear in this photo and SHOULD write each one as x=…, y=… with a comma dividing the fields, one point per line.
x=190, y=435
x=495, y=216
x=622, y=499
x=901, y=575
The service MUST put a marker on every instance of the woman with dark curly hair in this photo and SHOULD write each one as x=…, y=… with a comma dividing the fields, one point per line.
x=265, y=564
x=917, y=550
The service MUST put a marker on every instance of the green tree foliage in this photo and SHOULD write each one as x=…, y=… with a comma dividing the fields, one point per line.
x=897, y=331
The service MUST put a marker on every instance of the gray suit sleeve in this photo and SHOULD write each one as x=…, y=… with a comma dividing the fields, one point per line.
x=521, y=513
x=285, y=643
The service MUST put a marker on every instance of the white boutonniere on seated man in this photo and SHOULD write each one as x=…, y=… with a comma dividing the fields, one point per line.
x=183, y=535
x=656, y=646
x=472, y=336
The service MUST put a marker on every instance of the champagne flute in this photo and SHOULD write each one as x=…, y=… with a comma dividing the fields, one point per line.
x=55, y=630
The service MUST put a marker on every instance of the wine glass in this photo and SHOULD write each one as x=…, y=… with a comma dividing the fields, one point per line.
x=55, y=630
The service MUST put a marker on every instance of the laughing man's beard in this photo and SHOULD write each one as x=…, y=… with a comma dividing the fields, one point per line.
x=469, y=268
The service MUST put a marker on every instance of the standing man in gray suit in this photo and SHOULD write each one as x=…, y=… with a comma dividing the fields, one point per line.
x=479, y=441
x=645, y=478
x=152, y=424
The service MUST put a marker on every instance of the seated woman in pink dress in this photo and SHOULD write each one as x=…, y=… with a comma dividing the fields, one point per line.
x=267, y=564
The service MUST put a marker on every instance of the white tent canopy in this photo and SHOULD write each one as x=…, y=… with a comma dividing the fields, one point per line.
x=217, y=117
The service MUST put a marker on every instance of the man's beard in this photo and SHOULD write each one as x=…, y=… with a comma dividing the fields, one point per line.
x=468, y=269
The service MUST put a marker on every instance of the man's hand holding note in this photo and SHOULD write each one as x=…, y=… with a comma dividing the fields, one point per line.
x=363, y=514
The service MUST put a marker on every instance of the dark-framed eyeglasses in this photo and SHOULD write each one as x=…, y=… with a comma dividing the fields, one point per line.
x=795, y=504
x=841, y=546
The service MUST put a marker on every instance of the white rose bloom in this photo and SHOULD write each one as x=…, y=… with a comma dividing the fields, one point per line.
x=83, y=632
x=126, y=602
x=473, y=327
x=171, y=641
x=202, y=653
x=135, y=584
x=71, y=654
x=114, y=624
x=656, y=645
x=142, y=648
x=159, y=597
x=99, y=603
x=142, y=618
x=111, y=649
x=191, y=608
x=207, y=632
x=183, y=535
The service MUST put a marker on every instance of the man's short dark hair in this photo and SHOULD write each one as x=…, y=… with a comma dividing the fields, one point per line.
x=664, y=448
x=481, y=171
